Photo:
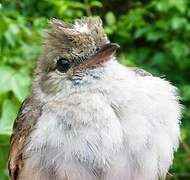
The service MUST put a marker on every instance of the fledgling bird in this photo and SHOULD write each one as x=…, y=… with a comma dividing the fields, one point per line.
x=89, y=117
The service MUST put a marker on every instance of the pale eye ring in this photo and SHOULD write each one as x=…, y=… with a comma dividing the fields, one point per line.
x=63, y=65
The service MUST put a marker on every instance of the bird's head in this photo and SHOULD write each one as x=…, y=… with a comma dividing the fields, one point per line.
x=70, y=50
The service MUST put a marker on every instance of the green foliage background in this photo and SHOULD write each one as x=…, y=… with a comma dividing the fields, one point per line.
x=153, y=34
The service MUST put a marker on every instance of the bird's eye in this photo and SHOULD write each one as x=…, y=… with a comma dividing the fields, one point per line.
x=97, y=48
x=63, y=65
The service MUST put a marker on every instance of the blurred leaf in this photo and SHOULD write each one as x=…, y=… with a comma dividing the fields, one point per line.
x=6, y=74
x=9, y=38
x=110, y=18
x=9, y=112
x=4, y=138
x=178, y=22
x=178, y=48
x=14, y=81
x=181, y=5
x=96, y=4
x=185, y=91
x=140, y=32
x=184, y=134
x=155, y=35
x=3, y=24
x=19, y=85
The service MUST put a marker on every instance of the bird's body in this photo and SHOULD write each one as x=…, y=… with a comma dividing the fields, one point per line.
x=108, y=123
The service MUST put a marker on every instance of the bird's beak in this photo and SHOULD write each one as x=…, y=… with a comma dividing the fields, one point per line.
x=104, y=54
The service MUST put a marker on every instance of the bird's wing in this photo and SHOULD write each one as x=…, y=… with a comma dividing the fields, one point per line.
x=25, y=121
x=141, y=72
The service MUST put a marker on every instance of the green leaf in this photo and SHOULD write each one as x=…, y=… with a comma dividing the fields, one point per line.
x=185, y=91
x=20, y=85
x=178, y=22
x=162, y=6
x=181, y=5
x=10, y=38
x=3, y=24
x=6, y=74
x=110, y=18
x=9, y=112
x=141, y=32
x=96, y=4
x=155, y=35
x=178, y=48
x=158, y=58
x=4, y=137
x=14, y=81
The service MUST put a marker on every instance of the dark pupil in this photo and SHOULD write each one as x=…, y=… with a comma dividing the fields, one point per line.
x=63, y=65
x=97, y=48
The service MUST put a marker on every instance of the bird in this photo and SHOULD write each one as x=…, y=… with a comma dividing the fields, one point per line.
x=88, y=117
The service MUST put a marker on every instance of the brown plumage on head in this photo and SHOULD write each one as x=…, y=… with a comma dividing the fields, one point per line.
x=72, y=41
x=82, y=45
x=84, y=33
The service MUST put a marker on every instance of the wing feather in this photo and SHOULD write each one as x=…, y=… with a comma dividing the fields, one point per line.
x=29, y=112
x=141, y=72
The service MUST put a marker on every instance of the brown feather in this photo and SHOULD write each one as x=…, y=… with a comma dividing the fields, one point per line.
x=141, y=72
x=27, y=117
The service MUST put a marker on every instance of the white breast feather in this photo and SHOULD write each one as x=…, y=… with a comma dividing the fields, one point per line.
x=125, y=124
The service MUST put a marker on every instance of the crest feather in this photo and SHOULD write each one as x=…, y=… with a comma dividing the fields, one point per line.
x=90, y=22
x=60, y=23
x=81, y=28
x=83, y=25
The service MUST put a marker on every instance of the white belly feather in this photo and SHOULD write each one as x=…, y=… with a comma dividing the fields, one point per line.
x=126, y=133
